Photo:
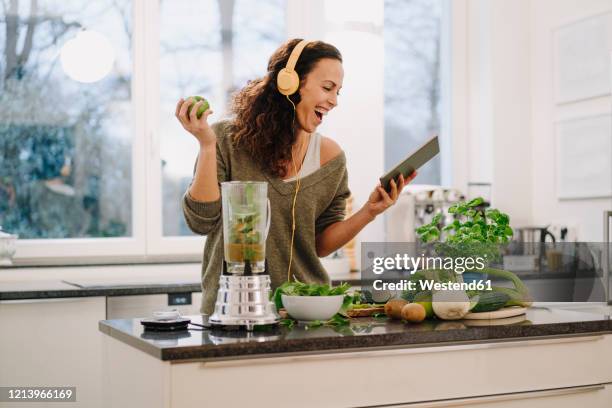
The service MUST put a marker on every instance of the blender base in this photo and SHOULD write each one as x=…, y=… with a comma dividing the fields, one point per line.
x=243, y=301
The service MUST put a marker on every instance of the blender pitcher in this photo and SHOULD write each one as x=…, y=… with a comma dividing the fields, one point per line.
x=246, y=222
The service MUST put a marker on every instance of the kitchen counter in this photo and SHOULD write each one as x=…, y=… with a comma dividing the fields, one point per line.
x=67, y=289
x=548, y=357
x=43, y=289
x=218, y=344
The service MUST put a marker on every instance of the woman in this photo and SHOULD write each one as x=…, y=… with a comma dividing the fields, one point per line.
x=272, y=137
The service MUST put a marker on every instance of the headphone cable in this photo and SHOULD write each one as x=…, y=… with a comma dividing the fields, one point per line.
x=297, y=189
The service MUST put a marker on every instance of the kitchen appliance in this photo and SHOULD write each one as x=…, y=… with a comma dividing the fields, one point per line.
x=532, y=239
x=529, y=236
x=178, y=324
x=416, y=206
x=532, y=242
x=243, y=299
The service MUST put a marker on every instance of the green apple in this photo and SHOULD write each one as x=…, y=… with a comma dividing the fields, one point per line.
x=202, y=108
x=425, y=300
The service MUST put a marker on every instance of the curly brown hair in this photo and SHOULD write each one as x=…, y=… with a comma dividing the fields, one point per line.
x=263, y=124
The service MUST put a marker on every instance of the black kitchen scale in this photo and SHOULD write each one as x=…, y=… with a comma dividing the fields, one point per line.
x=165, y=325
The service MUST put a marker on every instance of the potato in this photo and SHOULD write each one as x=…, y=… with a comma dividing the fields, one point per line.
x=413, y=312
x=393, y=308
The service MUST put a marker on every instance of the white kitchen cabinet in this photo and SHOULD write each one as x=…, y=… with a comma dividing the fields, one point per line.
x=591, y=396
x=501, y=374
x=53, y=342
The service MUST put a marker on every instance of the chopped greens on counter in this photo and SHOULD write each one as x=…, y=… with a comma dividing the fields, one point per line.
x=337, y=320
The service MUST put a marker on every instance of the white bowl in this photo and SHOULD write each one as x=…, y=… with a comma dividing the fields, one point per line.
x=308, y=308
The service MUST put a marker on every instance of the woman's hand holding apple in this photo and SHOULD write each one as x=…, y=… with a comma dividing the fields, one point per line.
x=194, y=121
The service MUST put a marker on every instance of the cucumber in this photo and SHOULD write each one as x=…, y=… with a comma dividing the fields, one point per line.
x=519, y=294
x=490, y=301
x=516, y=298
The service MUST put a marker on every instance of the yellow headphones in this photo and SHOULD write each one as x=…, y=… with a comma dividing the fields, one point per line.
x=288, y=82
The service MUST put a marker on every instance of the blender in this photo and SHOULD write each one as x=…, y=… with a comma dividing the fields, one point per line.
x=243, y=299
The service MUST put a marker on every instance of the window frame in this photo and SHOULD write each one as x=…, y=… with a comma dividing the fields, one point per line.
x=157, y=243
x=68, y=250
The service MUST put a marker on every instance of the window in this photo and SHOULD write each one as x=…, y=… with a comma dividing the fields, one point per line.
x=65, y=128
x=92, y=160
x=413, y=80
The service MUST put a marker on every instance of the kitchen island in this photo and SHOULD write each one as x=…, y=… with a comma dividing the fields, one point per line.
x=548, y=357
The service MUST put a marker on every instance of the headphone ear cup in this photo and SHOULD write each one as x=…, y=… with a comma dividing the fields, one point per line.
x=287, y=82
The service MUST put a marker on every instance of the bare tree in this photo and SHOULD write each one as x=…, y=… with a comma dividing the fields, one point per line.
x=36, y=100
x=16, y=61
x=412, y=76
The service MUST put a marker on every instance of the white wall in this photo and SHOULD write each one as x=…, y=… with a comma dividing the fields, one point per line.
x=492, y=137
x=512, y=160
x=506, y=130
x=547, y=15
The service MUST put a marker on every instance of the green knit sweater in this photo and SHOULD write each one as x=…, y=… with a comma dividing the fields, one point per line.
x=320, y=203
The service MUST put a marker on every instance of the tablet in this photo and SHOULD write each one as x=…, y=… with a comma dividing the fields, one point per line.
x=415, y=160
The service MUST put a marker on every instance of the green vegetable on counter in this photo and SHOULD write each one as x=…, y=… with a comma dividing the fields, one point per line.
x=475, y=232
x=366, y=305
x=519, y=295
x=477, y=226
x=289, y=323
x=335, y=321
x=490, y=301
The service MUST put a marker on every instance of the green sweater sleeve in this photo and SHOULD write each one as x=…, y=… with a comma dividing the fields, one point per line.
x=336, y=211
x=203, y=217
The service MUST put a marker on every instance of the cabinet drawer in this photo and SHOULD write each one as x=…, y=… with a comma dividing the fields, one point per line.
x=405, y=375
x=591, y=396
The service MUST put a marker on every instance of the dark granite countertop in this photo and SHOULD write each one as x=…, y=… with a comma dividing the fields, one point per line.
x=63, y=289
x=104, y=287
x=361, y=334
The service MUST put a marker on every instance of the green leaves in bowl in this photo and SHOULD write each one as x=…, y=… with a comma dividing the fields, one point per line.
x=298, y=288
